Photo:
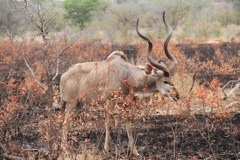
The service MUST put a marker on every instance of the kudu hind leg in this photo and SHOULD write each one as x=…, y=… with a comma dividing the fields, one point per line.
x=70, y=106
x=108, y=108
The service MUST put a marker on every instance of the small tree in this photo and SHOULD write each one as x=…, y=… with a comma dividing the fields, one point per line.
x=236, y=6
x=41, y=18
x=79, y=11
x=10, y=18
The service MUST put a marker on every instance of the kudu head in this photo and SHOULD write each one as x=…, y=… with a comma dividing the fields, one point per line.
x=159, y=69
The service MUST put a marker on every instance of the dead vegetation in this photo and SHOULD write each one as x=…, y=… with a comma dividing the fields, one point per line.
x=203, y=124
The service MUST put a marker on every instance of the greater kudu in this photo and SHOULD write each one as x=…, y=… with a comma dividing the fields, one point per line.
x=89, y=82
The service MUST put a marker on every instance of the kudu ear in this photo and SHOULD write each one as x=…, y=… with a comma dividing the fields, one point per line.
x=148, y=68
x=161, y=73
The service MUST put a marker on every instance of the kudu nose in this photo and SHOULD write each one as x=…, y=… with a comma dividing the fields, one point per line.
x=174, y=94
x=177, y=97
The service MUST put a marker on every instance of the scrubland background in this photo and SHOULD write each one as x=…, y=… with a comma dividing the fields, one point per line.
x=40, y=39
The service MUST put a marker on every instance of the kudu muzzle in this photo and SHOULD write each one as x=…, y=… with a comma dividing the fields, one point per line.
x=174, y=94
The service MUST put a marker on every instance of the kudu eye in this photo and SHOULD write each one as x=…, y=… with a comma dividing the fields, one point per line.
x=166, y=82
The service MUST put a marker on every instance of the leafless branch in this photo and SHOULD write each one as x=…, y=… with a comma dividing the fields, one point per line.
x=50, y=18
x=69, y=46
x=60, y=53
x=233, y=90
x=232, y=81
x=236, y=69
x=6, y=153
x=41, y=153
x=39, y=21
x=58, y=60
x=237, y=86
x=30, y=69
x=31, y=15
x=208, y=142
x=233, y=103
x=193, y=80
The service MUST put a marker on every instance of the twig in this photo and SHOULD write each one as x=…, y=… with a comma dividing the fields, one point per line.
x=31, y=15
x=173, y=129
x=193, y=80
x=60, y=54
x=66, y=48
x=233, y=103
x=6, y=153
x=209, y=144
x=30, y=69
x=58, y=60
x=237, y=86
x=232, y=81
x=39, y=21
x=41, y=153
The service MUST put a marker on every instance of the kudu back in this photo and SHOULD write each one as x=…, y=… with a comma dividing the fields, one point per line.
x=85, y=83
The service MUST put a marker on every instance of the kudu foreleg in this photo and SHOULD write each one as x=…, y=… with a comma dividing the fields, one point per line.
x=107, y=127
x=131, y=140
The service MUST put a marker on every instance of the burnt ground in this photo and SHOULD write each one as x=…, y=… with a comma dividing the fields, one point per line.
x=158, y=137
x=167, y=136
x=176, y=137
